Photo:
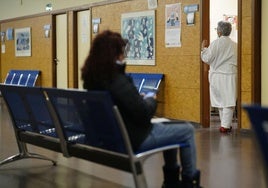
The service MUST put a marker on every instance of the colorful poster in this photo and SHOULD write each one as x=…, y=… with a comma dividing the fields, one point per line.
x=139, y=29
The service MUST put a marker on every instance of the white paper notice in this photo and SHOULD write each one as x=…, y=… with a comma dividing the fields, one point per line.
x=3, y=48
x=173, y=25
x=152, y=4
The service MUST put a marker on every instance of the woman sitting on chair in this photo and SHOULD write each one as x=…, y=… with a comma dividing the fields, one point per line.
x=103, y=71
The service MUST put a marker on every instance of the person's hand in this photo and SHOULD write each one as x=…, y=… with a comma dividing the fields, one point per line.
x=150, y=94
x=142, y=94
x=204, y=44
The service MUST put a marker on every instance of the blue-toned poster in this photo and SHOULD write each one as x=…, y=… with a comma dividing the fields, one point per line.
x=9, y=34
x=23, y=42
x=139, y=29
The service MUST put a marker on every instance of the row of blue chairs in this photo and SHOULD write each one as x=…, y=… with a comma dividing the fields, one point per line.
x=147, y=82
x=22, y=77
x=76, y=123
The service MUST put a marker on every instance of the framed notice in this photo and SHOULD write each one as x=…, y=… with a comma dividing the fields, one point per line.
x=23, y=42
x=139, y=29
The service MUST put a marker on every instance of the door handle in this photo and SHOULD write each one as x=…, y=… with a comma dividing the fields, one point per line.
x=56, y=61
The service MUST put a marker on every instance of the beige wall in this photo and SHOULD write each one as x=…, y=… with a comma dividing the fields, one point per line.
x=264, y=58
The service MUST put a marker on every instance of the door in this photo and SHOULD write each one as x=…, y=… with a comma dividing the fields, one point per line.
x=61, y=52
x=83, y=40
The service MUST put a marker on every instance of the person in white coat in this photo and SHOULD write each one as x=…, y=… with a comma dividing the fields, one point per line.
x=221, y=56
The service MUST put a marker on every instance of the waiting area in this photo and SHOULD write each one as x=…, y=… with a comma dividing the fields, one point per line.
x=226, y=160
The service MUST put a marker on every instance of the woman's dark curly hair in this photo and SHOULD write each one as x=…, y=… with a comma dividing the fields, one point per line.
x=100, y=66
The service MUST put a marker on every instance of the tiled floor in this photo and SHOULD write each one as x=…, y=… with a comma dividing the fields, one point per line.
x=226, y=161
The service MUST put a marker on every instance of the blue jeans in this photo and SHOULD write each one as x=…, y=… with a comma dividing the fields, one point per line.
x=171, y=133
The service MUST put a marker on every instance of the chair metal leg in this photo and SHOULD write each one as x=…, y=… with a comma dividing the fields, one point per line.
x=20, y=156
x=140, y=181
x=24, y=154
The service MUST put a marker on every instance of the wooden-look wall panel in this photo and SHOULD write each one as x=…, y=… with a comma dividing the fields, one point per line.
x=246, y=99
x=246, y=71
x=246, y=60
x=246, y=35
x=175, y=74
x=41, y=54
x=246, y=8
x=182, y=103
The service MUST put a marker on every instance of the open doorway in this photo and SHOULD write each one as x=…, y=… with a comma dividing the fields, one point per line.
x=214, y=11
x=228, y=11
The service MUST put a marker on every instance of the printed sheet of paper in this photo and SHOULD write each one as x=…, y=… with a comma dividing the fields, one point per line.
x=173, y=25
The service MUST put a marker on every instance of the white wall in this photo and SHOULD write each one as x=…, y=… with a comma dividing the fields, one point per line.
x=217, y=10
x=17, y=8
x=264, y=56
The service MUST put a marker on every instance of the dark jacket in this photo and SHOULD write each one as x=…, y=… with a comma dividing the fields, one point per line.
x=136, y=111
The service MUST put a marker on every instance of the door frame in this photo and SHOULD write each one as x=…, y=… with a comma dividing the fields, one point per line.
x=256, y=51
x=204, y=85
x=205, y=34
x=255, y=60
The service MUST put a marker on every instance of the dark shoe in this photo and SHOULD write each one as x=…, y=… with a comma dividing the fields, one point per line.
x=171, y=185
x=225, y=130
x=193, y=182
x=171, y=177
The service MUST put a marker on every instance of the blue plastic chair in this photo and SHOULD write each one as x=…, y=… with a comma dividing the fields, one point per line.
x=22, y=77
x=258, y=116
x=146, y=82
x=137, y=80
x=151, y=83
x=32, y=78
x=16, y=79
x=30, y=117
x=106, y=139
x=10, y=76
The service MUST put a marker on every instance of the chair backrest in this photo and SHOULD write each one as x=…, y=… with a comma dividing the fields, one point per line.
x=28, y=109
x=16, y=79
x=24, y=80
x=259, y=120
x=22, y=77
x=87, y=118
x=151, y=83
x=10, y=76
x=146, y=82
x=32, y=77
x=137, y=80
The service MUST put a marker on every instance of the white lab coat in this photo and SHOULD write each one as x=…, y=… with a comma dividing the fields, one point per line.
x=221, y=55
